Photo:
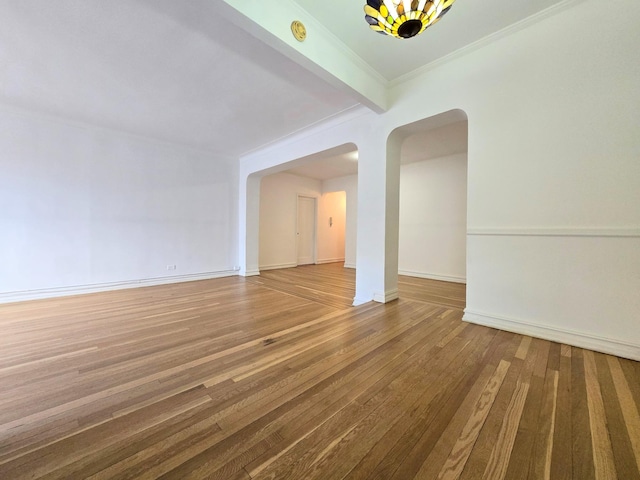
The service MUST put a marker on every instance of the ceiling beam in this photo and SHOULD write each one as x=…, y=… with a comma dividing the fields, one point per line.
x=321, y=53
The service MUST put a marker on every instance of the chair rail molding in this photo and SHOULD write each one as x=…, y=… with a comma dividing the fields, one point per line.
x=555, y=231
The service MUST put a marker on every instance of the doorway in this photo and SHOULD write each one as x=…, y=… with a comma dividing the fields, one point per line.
x=306, y=230
x=432, y=239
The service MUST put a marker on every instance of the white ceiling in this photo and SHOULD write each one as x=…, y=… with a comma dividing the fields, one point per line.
x=466, y=22
x=434, y=143
x=166, y=69
x=324, y=167
x=178, y=71
x=423, y=145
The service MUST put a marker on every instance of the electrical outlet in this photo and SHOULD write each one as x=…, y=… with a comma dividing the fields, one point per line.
x=171, y=267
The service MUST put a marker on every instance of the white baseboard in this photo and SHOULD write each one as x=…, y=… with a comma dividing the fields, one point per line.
x=349, y=265
x=360, y=301
x=25, y=295
x=249, y=273
x=431, y=276
x=387, y=297
x=277, y=266
x=329, y=260
x=569, y=337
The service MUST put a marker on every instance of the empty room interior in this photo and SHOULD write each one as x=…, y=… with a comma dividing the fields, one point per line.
x=291, y=239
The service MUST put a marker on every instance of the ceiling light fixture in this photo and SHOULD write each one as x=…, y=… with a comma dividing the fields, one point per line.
x=404, y=18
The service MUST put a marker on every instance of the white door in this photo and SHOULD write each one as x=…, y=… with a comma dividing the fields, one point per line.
x=306, y=233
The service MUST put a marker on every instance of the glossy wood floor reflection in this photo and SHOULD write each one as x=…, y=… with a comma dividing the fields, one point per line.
x=278, y=377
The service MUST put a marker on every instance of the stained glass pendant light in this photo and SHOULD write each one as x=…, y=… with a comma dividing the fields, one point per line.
x=404, y=18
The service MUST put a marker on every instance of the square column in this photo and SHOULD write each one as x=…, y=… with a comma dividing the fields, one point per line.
x=378, y=219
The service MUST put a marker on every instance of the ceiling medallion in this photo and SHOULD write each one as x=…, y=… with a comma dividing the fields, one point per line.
x=404, y=18
x=298, y=30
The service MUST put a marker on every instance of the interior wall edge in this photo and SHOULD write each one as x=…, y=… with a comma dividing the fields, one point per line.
x=559, y=335
x=22, y=296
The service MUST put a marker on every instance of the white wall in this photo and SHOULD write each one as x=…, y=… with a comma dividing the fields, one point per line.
x=554, y=177
x=349, y=185
x=358, y=127
x=331, y=234
x=83, y=208
x=433, y=219
x=433, y=224
x=278, y=217
x=553, y=174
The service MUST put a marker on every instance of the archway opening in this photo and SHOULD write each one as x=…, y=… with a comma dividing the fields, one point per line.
x=432, y=230
x=325, y=186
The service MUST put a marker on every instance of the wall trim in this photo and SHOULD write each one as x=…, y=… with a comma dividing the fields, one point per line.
x=329, y=260
x=249, y=273
x=555, y=232
x=432, y=276
x=277, y=266
x=360, y=301
x=569, y=337
x=386, y=297
x=349, y=265
x=21, y=296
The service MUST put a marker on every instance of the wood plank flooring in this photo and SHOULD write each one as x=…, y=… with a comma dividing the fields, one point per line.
x=278, y=377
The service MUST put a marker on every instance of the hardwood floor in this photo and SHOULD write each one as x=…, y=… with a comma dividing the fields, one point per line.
x=278, y=377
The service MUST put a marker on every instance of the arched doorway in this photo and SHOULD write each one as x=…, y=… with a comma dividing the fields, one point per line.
x=432, y=226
